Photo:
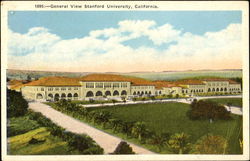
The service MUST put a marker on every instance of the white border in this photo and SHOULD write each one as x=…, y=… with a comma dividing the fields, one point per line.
x=163, y=6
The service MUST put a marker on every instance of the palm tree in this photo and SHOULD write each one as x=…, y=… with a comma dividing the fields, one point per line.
x=138, y=130
x=179, y=143
x=104, y=117
x=115, y=124
x=127, y=127
x=158, y=140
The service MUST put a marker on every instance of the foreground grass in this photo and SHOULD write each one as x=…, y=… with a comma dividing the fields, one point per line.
x=48, y=145
x=20, y=125
x=235, y=101
x=171, y=118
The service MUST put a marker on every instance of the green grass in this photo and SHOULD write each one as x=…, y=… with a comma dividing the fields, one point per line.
x=19, y=145
x=235, y=101
x=171, y=118
x=20, y=125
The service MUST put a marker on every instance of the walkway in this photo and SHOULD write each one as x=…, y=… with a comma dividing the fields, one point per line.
x=106, y=141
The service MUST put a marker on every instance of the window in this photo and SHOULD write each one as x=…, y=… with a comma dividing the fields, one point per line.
x=63, y=88
x=42, y=89
x=107, y=85
x=99, y=85
x=76, y=88
x=124, y=85
x=116, y=85
x=89, y=85
x=50, y=89
x=57, y=89
x=69, y=88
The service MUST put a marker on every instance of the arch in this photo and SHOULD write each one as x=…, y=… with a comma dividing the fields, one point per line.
x=191, y=91
x=63, y=96
x=69, y=95
x=98, y=93
x=138, y=93
x=142, y=93
x=134, y=93
x=149, y=92
x=75, y=95
x=146, y=92
x=225, y=89
x=221, y=89
x=107, y=93
x=209, y=90
x=115, y=93
x=197, y=90
x=50, y=95
x=124, y=92
x=217, y=89
x=57, y=97
x=89, y=94
x=213, y=89
x=159, y=92
x=39, y=96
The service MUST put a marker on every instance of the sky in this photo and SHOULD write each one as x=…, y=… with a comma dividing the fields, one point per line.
x=124, y=41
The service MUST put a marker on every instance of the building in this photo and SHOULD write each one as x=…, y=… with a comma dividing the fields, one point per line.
x=100, y=86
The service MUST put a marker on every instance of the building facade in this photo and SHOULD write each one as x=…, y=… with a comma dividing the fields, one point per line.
x=101, y=86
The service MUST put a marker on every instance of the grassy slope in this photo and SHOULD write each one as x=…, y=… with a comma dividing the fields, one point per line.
x=235, y=101
x=17, y=125
x=22, y=129
x=19, y=145
x=172, y=118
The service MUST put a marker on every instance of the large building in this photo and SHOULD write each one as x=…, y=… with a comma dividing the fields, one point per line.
x=99, y=86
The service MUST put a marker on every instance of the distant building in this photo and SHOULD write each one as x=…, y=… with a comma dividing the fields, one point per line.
x=99, y=86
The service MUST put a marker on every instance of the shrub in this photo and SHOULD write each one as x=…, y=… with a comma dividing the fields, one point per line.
x=123, y=148
x=16, y=104
x=205, y=109
x=210, y=144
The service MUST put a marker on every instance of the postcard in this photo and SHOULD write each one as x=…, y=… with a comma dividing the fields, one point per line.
x=141, y=80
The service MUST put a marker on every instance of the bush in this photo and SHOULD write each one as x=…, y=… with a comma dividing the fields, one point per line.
x=16, y=104
x=210, y=144
x=123, y=148
x=205, y=109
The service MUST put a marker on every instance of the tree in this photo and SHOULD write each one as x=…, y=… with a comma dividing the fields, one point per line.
x=16, y=104
x=127, y=127
x=115, y=123
x=123, y=148
x=138, y=130
x=210, y=144
x=204, y=109
x=179, y=143
x=158, y=140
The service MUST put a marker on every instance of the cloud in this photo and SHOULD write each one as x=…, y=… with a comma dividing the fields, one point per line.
x=103, y=50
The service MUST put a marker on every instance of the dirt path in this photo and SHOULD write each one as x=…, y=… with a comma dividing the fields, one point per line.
x=106, y=141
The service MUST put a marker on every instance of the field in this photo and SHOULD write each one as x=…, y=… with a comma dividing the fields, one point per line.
x=174, y=75
x=187, y=74
x=235, y=101
x=171, y=118
x=47, y=144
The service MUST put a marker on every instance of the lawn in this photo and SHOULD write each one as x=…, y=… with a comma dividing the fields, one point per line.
x=235, y=101
x=171, y=118
x=48, y=145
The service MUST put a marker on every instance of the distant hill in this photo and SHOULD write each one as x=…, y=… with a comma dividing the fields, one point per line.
x=166, y=75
